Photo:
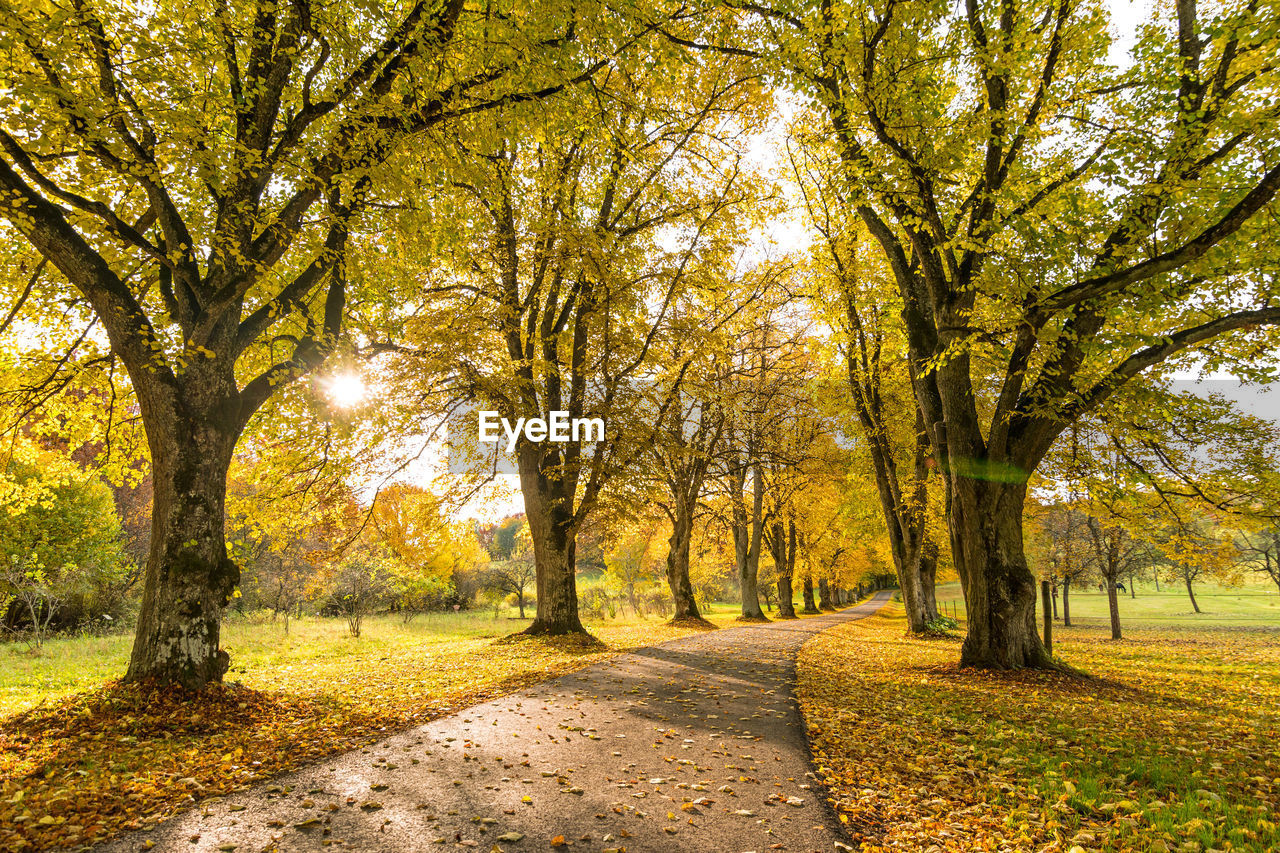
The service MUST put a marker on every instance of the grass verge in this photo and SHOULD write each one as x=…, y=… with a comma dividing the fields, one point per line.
x=88, y=765
x=1171, y=746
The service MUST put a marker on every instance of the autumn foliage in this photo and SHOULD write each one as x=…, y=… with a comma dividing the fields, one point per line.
x=1171, y=746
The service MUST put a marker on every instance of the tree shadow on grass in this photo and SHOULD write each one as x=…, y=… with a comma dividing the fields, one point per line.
x=571, y=644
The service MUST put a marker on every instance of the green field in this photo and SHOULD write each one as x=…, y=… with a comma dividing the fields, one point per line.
x=1250, y=605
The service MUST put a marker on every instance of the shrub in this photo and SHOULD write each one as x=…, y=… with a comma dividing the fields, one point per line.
x=942, y=625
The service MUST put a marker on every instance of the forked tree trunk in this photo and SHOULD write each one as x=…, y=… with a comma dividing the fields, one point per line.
x=548, y=505
x=809, y=605
x=1191, y=593
x=999, y=589
x=189, y=579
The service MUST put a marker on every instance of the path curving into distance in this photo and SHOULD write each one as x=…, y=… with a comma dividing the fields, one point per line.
x=692, y=745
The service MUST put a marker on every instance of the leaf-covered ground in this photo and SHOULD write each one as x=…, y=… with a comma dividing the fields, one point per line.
x=118, y=757
x=1174, y=745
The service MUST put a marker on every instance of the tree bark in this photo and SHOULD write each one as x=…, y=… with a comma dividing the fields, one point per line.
x=747, y=542
x=686, y=605
x=1113, y=602
x=824, y=595
x=782, y=565
x=929, y=579
x=1192, y=594
x=999, y=589
x=550, y=519
x=1066, y=602
x=809, y=605
x=189, y=578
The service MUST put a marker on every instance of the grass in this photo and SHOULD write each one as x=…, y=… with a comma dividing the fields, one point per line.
x=83, y=758
x=265, y=657
x=1253, y=604
x=1171, y=746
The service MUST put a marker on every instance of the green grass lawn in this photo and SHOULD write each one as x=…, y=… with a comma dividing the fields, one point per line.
x=1251, y=605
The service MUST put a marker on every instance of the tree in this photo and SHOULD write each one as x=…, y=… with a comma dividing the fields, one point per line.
x=512, y=576
x=1065, y=546
x=513, y=567
x=1195, y=547
x=768, y=370
x=206, y=213
x=362, y=582
x=1055, y=226
x=689, y=442
x=850, y=287
x=1262, y=549
x=27, y=584
x=628, y=565
x=582, y=231
x=60, y=540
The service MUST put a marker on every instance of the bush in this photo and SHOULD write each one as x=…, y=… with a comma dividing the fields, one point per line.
x=363, y=583
x=942, y=625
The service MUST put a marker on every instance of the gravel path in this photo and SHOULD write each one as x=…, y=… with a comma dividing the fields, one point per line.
x=693, y=745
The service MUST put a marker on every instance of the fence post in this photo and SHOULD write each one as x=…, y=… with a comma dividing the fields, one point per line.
x=1046, y=605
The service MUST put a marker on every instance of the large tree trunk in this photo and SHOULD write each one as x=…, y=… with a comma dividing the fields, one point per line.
x=686, y=606
x=999, y=589
x=189, y=579
x=1191, y=593
x=824, y=595
x=548, y=511
x=809, y=605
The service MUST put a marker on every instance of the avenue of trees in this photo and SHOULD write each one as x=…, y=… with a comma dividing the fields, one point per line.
x=257, y=258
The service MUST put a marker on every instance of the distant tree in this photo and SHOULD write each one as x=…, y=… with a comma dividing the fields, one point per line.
x=60, y=539
x=513, y=568
x=629, y=565
x=1261, y=550
x=362, y=582
x=24, y=581
x=1194, y=547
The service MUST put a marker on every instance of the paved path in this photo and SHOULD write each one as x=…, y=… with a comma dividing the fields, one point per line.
x=693, y=745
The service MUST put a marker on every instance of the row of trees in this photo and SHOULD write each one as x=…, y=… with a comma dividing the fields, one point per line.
x=551, y=209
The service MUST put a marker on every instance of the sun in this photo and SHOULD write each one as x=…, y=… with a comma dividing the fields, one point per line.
x=346, y=389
